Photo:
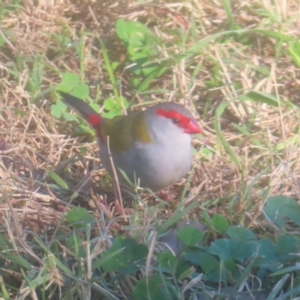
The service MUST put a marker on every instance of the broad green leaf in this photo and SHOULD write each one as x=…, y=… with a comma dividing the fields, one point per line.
x=70, y=79
x=134, y=251
x=109, y=104
x=123, y=103
x=123, y=256
x=122, y=29
x=229, y=249
x=240, y=233
x=56, y=111
x=281, y=208
x=81, y=91
x=111, y=114
x=208, y=263
x=148, y=289
x=167, y=260
x=190, y=236
x=220, y=223
x=285, y=246
x=69, y=117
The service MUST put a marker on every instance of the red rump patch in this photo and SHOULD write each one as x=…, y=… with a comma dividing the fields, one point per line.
x=94, y=119
x=173, y=114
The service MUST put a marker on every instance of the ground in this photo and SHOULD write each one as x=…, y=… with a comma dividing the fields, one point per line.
x=232, y=63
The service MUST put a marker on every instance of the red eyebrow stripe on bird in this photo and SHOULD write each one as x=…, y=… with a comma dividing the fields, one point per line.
x=173, y=114
x=94, y=119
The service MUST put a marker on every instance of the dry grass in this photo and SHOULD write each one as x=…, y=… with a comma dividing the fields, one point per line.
x=33, y=142
x=36, y=142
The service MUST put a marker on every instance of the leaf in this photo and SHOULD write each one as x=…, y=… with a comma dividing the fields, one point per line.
x=285, y=246
x=109, y=104
x=154, y=287
x=123, y=253
x=262, y=97
x=56, y=111
x=115, y=64
x=122, y=103
x=190, y=236
x=63, y=267
x=176, y=216
x=220, y=223
x=158, y=71
x=4, y=242
x=167, y=260
x=208, y=263
x=134, y=251
x=112, y=259
x=280, y=208
x=266, y=249
x=193, y=255
x=79, y=215
x=122, y=29
x=294, y=52
x=184, y=272
x=240, y=233
x=291, y=293
x=230, y=249
x=287, y=270
x=70, y=79
x=273, y=256
x=17, y=260
x=75, y=244
x=58, y=179
x=69, y=117
x=288, y=142
x=81, y=91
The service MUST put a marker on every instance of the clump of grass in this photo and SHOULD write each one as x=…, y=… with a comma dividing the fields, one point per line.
x=231, y=64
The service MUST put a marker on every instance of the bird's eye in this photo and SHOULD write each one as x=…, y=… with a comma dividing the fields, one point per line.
x=175, y=120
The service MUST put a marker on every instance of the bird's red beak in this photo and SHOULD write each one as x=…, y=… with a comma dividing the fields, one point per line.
x=192, y=127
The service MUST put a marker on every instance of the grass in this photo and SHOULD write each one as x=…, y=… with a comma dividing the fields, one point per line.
x=234, y=65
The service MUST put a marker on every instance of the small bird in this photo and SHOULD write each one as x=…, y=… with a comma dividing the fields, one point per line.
x=152, y=146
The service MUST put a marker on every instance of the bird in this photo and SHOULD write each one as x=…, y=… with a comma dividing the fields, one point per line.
x=153, y=147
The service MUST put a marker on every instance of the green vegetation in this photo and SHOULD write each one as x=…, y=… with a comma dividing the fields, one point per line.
x=235, y=66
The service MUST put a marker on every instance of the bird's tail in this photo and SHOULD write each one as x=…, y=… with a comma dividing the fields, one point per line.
x=82, y=108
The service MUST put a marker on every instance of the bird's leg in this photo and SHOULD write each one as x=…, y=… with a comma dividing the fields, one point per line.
x=117, y=190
